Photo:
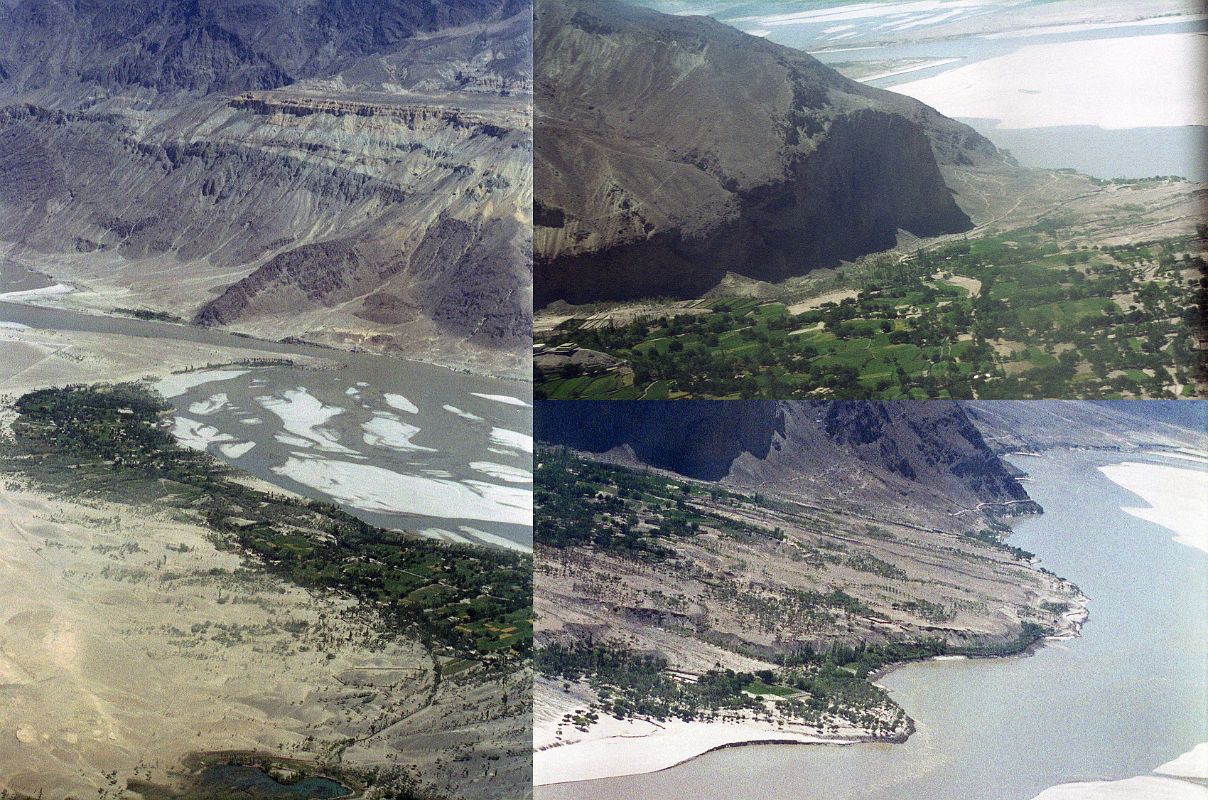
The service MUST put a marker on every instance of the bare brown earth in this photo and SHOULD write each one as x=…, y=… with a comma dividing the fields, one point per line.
x=129, y=641
x=725, y=593
x=35, y=357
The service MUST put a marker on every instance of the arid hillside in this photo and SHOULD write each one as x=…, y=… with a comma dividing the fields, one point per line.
x=671, y=150
x=353, y=174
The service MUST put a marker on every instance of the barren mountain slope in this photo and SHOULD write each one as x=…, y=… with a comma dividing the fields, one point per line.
x=920, y=461
x=814, y=527
x=671, y=150
x=357, y=174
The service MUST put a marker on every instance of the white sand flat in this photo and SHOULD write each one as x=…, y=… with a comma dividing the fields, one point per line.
x=1177, y=498
x=1115, y=83
x=178, y=384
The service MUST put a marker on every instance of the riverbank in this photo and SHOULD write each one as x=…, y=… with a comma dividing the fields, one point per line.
x=612, y=748
x=80, y=299
x=37, y=357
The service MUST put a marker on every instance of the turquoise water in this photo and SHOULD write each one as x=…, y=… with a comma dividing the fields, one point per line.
x=1122, y=699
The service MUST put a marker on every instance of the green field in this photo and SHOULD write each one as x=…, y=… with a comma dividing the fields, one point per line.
x=1014, y=316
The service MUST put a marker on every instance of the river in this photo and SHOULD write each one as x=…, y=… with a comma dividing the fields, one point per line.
x=401, y=444
x=1124, y=698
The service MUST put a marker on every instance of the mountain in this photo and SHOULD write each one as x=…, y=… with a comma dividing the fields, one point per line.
x=671, y=150
x=1100, y=425
x=926, y=460
x=802, y=542
x=351, y=172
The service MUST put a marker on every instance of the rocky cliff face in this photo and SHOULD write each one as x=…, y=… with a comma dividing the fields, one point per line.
x=671, y=150
x=353, y=173
x=858, y=454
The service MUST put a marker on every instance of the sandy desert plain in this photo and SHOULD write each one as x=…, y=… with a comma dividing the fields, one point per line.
x=134, y=652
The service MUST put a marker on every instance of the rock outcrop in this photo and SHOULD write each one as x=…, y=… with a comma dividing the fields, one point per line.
x=671, y=150
x=352, y=173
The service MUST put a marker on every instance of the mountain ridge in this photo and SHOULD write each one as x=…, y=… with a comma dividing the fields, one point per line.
x=312, y=205
x=855, y=455
x=721, y=153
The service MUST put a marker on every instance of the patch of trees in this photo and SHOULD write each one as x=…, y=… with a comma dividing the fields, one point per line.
x=108, y=441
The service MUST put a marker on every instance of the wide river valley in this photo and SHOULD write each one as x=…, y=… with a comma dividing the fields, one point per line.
x=401, y=444
x=1124, y=698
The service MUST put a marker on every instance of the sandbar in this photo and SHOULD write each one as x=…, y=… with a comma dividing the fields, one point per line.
x=387, y=430
x=502, y=398
x=58, y=288
x=302, y=414
x=1112, y=83
x=210, y=405
x=1177, y=498
x=236, y=450
x=613, y=747
x=373, y=488
x=1192, y=764
x=401, y=403
x=502, y=471
x=197, y=435
x=1144, y=787
x=512, y=440
x=463, y=414
x=179, y=383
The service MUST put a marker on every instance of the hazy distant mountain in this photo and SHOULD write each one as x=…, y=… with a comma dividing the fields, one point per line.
x=673, y=149
x=352, y=171
x=1105, y=425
